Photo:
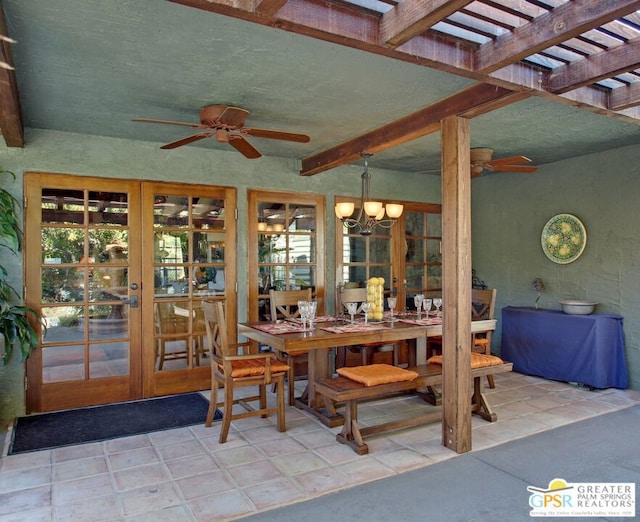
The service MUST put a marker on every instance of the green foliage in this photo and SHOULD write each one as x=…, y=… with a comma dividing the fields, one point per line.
x=10, y=233
x=14, y=319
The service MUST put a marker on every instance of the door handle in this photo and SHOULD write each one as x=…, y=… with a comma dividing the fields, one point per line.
x=131, y=301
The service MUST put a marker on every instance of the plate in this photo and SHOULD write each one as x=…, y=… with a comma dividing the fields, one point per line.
x=563, y=238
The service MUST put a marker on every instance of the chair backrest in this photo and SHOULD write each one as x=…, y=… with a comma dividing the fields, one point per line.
x=352, y=295
x=483, y=304
x=284, y=303
x=216, y=325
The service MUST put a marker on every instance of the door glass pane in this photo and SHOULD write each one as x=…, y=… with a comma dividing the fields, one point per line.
x=171, y=211
x=63, y=363
x=62, y=206
x=109, y=359
x=109, y=208
x=62, y=284
x=208, y=213
x=63, y=323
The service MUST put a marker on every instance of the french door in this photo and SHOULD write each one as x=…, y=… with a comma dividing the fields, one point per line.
x=117, y=270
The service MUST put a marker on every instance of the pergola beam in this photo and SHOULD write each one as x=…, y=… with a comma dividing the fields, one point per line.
x=562, y=23
x=473, y=101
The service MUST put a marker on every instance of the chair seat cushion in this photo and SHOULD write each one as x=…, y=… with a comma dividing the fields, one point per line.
x=373, y=374
x=481, y=342
x=254, y=367
x=478, y=360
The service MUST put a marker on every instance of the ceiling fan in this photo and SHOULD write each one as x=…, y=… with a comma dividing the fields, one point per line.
x=226, y=124
x=481, y=161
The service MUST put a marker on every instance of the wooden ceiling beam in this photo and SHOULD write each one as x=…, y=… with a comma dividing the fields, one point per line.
x=479, y=99
x=596, y=67
x=269, y=7
x=10, y=111
x=625, y=97
x=410, y=18
x=565, y=21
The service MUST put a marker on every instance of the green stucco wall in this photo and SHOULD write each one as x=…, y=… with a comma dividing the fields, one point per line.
x=509, y=212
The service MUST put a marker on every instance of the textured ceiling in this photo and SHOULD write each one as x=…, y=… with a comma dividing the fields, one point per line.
x=90, y=66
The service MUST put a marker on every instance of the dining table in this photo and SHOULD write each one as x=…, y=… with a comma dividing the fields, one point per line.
x=328, y=333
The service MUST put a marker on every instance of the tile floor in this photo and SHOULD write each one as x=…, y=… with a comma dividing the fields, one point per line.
x=186, y=475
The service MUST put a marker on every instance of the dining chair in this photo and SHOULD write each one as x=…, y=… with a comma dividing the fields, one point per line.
x=483, y=304
x=359, y=295
x=232, y=369
x=284, y=305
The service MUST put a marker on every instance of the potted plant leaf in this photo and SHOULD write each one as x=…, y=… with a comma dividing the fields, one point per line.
x=15, y=326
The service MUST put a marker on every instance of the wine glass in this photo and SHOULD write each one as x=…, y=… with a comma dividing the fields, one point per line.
x=313, y=305
x=437, y=302
x=366, y=308
x=426, y=304
x=352, y=308
x=417, y=300
x=392, y=302
x=303, y=309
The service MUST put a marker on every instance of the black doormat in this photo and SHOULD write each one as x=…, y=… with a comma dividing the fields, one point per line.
x=98, y=423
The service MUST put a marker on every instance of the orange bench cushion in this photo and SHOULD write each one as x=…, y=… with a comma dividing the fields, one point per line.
x=374, y=374
x=254, y=367
x=478, y=360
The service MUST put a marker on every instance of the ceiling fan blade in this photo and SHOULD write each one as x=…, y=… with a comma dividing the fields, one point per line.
x=526, y=169
x=510, y=160
x=243, y=147
x=187, y=140
x=233, y=116
x=277, y=135
x=169, y=122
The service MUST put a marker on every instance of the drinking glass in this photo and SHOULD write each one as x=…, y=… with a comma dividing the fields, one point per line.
x=366, y=308
x=392, y=302
x=303, y=308
x=352, y=308
x=417, y=300
x=437, y=302
x=426, y=304
x=313, y=305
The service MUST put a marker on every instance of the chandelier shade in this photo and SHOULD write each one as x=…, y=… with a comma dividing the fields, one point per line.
x=371, y=213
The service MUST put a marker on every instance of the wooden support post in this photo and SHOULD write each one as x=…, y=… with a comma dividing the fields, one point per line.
x=456, y=248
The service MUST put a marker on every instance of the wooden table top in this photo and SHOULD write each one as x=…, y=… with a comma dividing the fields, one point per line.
x=319, y=337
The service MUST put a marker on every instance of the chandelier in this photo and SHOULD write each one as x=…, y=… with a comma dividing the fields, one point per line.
x=372, y=213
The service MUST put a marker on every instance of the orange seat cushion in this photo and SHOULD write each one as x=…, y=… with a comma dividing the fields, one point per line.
x=481, y=342
x=254, y=367
x=373, y=374
x=478, y=360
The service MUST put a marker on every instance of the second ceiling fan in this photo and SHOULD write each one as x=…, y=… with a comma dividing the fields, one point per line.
x=226, y=124
x=481, y=160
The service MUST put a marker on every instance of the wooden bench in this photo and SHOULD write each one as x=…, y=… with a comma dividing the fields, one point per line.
x=342, y=389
